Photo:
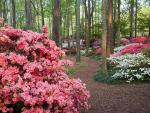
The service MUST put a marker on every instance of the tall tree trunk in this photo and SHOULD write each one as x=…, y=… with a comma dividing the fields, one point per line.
x=149, y=30
x=28, y=13
x=4, y=10
x=86, y=27
x=56, y=21
x=83, y=21
x=110, y=26
x=104, y=37
x=68, y=22
x=115, y=20
x=42, y=12
x=88, y=9
x=14, y=13
x=1, y=8
x=72, y=24
x=78, y=30
x=118, y=23
x=136, y=11
x=131, y=18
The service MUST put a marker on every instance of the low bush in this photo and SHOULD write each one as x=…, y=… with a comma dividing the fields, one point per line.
x=130, y=67
x=141, y=39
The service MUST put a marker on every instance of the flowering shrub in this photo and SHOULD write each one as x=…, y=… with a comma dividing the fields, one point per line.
x=130, y=67
x=134, y=48
x=96, y=44
x=141, y=39
x=32, y=79
x=98, y=51
x=124, y=41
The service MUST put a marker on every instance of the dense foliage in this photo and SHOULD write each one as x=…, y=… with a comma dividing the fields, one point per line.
x=131, y=62
x=31, y=76
x=130, y=67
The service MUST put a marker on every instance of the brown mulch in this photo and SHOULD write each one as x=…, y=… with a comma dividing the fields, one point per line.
x=126, y=98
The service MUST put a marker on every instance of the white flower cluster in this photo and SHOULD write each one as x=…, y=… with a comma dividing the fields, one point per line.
x=130, y=67
x=118, y=49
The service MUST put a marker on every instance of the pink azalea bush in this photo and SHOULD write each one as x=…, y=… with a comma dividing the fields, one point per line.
x=32, y=79
x=134, y=48
x=98, y=51
x=141, y=39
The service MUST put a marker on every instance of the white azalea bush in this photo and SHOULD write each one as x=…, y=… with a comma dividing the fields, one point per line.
x=130, y=67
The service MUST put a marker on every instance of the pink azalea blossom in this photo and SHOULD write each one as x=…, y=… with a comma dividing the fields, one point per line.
x=31, y=75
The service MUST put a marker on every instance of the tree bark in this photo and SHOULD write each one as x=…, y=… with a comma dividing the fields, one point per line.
x=56, y=21
x=136, y=11
x=118, y=23
x=149, y=30
x=1, y=9
x=78, y=31
x=131, y=18
x=68, y=22
x=110, y=26
x=42, y=12
x=28, y=13
x=14, y=13
x=104, y=37
x=4, y=10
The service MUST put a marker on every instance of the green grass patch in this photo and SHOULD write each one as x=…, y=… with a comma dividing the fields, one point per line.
x=95, y=57
x=75, y=69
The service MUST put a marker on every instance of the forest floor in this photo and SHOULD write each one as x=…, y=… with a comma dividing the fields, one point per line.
x=107, y=98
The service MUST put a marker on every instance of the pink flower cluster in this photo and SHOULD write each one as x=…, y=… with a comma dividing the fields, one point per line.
x=98, y=51
x=32, y=79
x=141, y=39
x=134, y=48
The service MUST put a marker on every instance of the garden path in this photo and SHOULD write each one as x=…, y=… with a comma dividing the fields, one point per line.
x=123, y=98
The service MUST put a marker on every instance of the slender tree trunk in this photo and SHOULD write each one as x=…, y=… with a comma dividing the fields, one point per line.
x=86, y=28
x=94, y=29
x=110, y=26
x=14, y=13
x=4, y=10
x=115, y=21
x=28, y=13
x=149, y=30
x=78, y=30
x=82, y=23
x=68, y=22
x=1, y=8
x=136, y=9
x=131, y=18
x=72, y=24
x=118, y=23
x=56, y=21
x=42, y=12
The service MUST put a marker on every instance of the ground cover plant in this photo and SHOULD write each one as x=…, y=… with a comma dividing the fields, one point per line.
x=32, y=79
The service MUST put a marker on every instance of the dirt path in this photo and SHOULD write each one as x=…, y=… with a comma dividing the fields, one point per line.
x=114, y=98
